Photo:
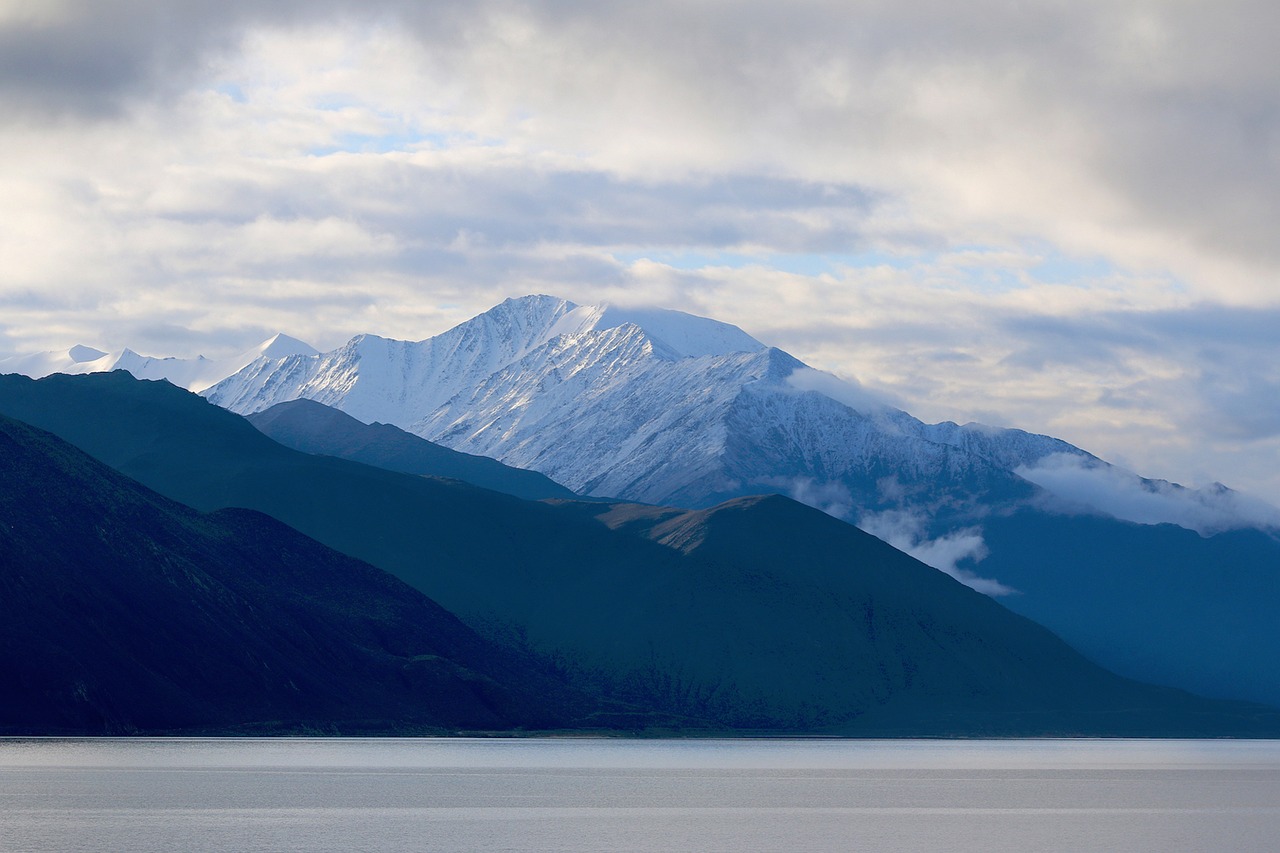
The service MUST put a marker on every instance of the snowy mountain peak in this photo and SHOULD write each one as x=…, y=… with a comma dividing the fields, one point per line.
x=194, y=374
x=280, y=345
x=81, y=353
x=520, y=325
x=675, y=333
x=665, y=407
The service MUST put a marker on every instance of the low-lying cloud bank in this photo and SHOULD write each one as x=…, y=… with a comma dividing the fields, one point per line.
x=1082, y=482
x=905, y=530
x=851, y=392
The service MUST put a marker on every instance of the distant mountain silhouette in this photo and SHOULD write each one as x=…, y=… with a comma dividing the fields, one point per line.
x=760, y=613
x=122, y=611
x=1154, y=602
x=315, y=428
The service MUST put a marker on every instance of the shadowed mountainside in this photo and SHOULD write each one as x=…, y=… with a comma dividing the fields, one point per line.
x=760, y=613
x=122, y=611
x=1156, y=602
x=316, y=428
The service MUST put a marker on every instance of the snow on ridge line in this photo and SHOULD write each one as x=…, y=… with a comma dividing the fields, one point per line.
x=497, y=380
x=194, y=374
x=81, y=353
x=280, y=345
x=680, y=334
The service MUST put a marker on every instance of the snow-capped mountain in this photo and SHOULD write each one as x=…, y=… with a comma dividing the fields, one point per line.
x=665, y=407
x=194, y=374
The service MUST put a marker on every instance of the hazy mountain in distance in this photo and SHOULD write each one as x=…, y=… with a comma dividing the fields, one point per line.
x=1156, y=602
x=761, y=613
x=315, y=428
x=194, y=374
x=122, y=611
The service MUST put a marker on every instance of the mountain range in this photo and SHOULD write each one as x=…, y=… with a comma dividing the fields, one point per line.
x=195, y=374
x=1150, y=579
x=122, y=611
x=1157, y=602
x=759, y=614
x=667, y=408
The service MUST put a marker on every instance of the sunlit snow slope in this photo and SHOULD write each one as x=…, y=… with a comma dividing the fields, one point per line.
x=650, y=405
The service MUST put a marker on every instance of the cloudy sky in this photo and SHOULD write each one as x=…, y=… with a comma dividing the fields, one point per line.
x=1062, y=216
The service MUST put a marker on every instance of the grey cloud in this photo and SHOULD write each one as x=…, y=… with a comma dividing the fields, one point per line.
x=503, y=206
x=1175, y=102
x=29, y=299
x=1206, y=322
x=160, y=339
x=1242, y=404
x=91, y=57
x=1099, y=335
x=1196, y=151
x=592, y=208
x=1227, y=358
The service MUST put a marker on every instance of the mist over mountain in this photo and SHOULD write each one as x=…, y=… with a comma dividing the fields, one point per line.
x=194, y=374
x=533, y=381
x=761, y=613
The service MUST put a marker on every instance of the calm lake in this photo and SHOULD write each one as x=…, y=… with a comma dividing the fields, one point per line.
x=600, y=794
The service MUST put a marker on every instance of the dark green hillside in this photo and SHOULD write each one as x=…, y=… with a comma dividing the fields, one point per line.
x=760, y=613
x=315, y=428
x=122, y=611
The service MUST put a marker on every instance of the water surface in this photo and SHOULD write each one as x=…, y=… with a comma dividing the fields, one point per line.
x=587, y=794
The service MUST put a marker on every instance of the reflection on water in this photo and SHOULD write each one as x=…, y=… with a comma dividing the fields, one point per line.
x=598, y=794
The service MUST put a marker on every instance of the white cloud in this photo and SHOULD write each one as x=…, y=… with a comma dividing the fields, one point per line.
x=832, y=498
x=1057, y=216
x=1119, y=493
x=905, y=530
x=848, y=391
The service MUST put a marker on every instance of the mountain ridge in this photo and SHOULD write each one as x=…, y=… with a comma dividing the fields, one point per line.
x=194, y=374
x=636, y=618
x=536, y=373
x=125, y=612
x=540, y=383
x=312, y=427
